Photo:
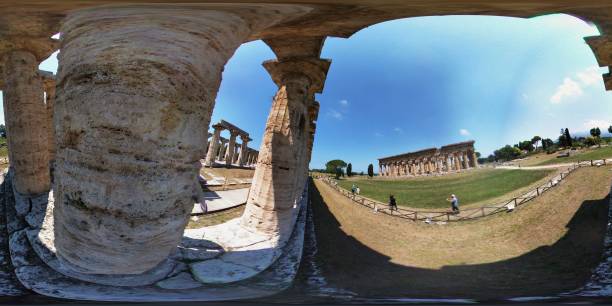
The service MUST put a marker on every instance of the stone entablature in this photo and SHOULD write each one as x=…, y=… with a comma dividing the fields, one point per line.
x=449, y=158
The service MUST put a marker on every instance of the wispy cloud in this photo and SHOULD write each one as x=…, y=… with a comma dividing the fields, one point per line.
x=335, y=114
x=574, y=87
x=464, y=132
x=377, y=134
x=569, y=88
x=398, y=130
x=593, y=123
x=344, y=102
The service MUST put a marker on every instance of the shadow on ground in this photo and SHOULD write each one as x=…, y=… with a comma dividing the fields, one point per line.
x=348, y=264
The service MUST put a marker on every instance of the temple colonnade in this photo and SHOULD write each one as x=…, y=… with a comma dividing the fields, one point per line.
x=223, y=151
x=450, y=158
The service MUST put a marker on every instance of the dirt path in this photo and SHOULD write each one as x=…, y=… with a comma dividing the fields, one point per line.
x=548, y=247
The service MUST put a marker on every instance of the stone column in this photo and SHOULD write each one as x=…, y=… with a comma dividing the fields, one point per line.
x=231, y=149
x=271, y=206
x=27, y=123
x=466, y=164
x=222, y=151
x=244, y=145
x=474, y=159
x=214, y=146
x=136, y=86
x=457, y=161
x=49, y=85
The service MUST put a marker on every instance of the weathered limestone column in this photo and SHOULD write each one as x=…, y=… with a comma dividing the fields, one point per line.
x=271, y=205
x=214, y=146
x=27, y=122
x=49, y=85
x=474, y=159
x=457, y=161
x=464, y=156
x=231, y=149
x=244, y=146
x=136, y=85
x=222, y=151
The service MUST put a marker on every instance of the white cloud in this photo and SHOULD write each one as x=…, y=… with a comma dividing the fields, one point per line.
x=569, y=88
x=593, y=123
x=335, y=114
x=589, y=76
x=464, y=132
x=398, y=130
x=377, y=134
x=344, y=102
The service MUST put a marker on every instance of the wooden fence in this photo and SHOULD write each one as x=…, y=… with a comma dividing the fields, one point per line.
x=465, y=214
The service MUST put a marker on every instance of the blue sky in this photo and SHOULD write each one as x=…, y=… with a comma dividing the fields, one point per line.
x=422, y=82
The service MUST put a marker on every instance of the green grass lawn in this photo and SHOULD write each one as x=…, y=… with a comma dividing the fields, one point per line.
x=599, y=153
x=432, y=192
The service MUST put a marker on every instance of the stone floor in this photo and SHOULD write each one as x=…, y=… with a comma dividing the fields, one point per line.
x=247, y=265
x=220, y=200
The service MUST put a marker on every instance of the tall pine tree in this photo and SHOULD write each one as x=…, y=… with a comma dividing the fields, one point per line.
x=349, y=170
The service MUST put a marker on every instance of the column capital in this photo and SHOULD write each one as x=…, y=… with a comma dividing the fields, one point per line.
x=315, y=69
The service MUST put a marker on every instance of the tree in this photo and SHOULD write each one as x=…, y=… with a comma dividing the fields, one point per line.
x=590, y=141
x=478, y=154
x=332, y=165
x=535, y=141
x=568, y=138
x=370, y=170
x=596, y=132
x=526, y=145
x=339, y=173
x=610, y=129
x=547, y=144
x=349, y=170
x=507, y=153
x=3, y=130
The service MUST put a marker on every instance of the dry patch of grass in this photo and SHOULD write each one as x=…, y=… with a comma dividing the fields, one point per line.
x=546, y=247
x=215, y=218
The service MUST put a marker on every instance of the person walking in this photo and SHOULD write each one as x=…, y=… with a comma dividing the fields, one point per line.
x=392, y=203
x=353, y=190
x=454, y=203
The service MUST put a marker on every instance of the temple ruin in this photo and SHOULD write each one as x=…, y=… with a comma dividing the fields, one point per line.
x=449, y=158
x=105, y=155
x=223, y=151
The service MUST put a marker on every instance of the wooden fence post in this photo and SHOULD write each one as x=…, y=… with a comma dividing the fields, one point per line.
x=591, y=162
x=538, y=191
x=483, y=212
x=415, y=215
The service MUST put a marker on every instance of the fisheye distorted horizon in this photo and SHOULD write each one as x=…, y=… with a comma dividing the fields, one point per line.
x=417, y=83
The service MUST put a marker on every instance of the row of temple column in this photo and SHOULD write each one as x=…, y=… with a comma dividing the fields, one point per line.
x=451, y=162
x=128, y=128
x=226, y=151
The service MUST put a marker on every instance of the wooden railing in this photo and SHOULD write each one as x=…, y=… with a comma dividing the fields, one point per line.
x=465, y=214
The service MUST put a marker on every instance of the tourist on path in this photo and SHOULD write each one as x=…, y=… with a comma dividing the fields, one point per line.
x=353, y=189
x=454, y=203
x=392, y=203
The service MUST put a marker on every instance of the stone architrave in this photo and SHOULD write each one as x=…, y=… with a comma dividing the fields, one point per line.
x=27, y=123
x=136, y=86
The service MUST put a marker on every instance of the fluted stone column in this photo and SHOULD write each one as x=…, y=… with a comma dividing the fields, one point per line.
x=27, y=123
x=136, y=86
x=474, y=159
x=231, y=149
x=222, y=151
x=271, y=205
x=49, y=85
x=466, y=164
x=214, y=146
x=242, y=158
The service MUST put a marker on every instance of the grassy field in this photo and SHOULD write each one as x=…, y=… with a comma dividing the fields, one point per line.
x=546, y=247
x=472, y=187
x=588, y=154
